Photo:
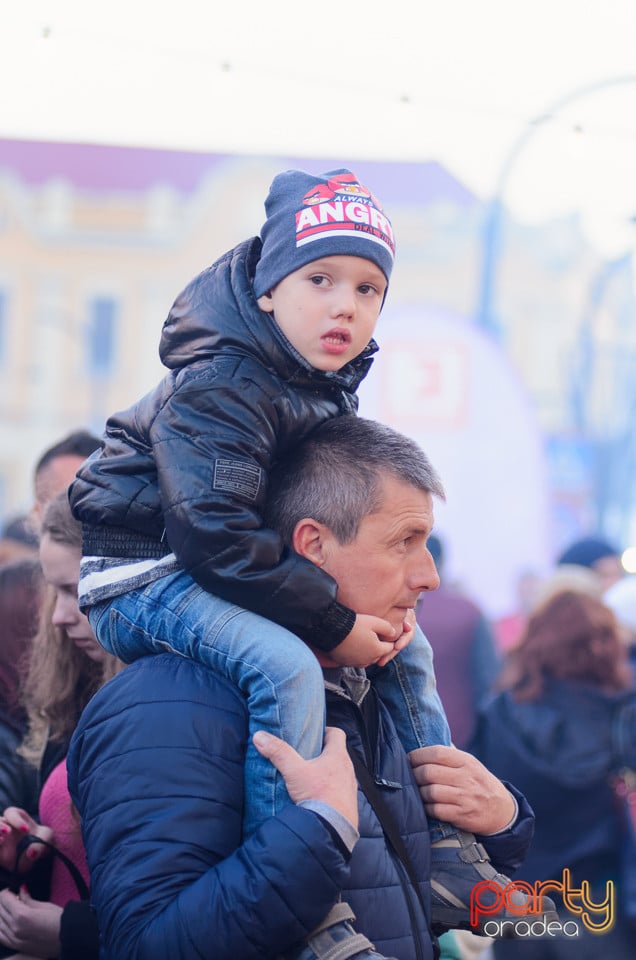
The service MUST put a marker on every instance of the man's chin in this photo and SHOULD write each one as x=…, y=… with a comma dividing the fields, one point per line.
x=396, y=619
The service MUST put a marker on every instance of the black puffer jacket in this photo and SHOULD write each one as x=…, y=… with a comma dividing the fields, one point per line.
x=188, y=464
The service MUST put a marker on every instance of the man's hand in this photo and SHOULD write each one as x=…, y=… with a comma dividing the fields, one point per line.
x=329, y=777
x=458, y=789
x=371, y=641
x=29, y=926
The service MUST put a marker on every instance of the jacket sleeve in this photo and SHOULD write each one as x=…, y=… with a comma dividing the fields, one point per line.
x=156, y=771
x=508, y=849
x=214, y=443
x=18, y=779
x=79, y=932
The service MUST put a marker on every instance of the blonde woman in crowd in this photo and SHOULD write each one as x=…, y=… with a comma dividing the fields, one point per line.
x=47, y=916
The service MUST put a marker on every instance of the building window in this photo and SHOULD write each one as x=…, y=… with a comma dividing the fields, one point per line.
x=102, y=323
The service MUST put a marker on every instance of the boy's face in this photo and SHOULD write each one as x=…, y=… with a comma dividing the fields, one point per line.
x=328, y=309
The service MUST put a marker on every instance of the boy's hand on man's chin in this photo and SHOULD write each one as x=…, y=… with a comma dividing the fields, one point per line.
x=366, y=646
x=371, y=641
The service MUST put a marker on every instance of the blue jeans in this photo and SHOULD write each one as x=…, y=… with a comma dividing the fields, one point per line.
x=407, y=687
x=278, y=674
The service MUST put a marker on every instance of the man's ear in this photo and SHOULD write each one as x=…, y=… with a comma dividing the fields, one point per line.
x=310, y=540
x=266, y=303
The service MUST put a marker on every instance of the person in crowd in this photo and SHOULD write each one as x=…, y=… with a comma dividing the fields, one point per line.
x=270, y=341
x=509, y=627
x=155, y=765
x=17, y=540
x=20, y=600
x=598, y=555
x=45, y=918
x=564, y=691
x=564, y=577
x=56, y=468
x=466, y=659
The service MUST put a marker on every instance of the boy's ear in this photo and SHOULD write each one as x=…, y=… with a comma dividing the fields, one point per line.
x=309, y=540
x=266, y=303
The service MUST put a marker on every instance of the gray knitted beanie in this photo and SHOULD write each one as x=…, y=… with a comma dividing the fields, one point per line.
x=310, y=217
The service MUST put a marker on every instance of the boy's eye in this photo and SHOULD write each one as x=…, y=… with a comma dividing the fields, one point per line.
x=318, y=279
x=367, y=288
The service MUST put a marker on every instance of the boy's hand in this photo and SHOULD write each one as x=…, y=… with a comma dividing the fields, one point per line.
x=372, y=640
x=457, y=788
x=408, y=629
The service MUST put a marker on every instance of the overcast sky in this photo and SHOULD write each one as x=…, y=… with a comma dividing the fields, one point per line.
x=471, y=83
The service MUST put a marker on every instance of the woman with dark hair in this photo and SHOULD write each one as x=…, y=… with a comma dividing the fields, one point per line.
x=551, y=730
x=20, y=602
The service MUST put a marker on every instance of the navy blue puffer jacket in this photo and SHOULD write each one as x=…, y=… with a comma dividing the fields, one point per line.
x=156, y=771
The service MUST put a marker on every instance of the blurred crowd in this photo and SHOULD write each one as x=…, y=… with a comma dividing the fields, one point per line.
x=545, y=697
x=50, y=666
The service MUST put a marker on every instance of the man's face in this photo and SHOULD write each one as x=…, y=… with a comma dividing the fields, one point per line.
x=609, y=570
x=383, y=571
x=52, y=479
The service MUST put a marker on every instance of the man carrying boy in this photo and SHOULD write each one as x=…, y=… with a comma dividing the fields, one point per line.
x=267, y=344
x=155, y=768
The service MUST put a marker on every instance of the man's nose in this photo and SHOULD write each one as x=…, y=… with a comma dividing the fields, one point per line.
x=425, y=574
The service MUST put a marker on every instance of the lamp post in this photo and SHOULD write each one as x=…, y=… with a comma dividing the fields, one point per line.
x=603, y=397
x=486, y=308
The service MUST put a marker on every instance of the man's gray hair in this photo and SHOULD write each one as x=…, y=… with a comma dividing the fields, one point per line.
x=335, y=476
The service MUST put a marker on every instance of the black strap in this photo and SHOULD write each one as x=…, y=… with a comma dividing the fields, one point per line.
x=384, y=815
x=80, y=883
